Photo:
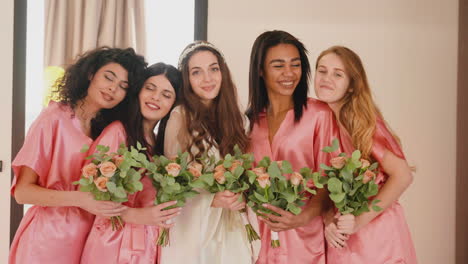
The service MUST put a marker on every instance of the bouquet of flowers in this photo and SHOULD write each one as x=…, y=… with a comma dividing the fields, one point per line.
x=112, y=176
x=351, y=181
x=230, y=174
x=173, y=179
x=269, y=185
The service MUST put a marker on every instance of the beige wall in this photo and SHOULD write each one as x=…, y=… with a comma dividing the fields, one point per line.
x=462, y=131
x=6, y=75
x=409, y=49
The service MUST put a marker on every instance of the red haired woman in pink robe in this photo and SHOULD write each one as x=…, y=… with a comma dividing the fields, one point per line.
x=286, y=125
x=372, y=237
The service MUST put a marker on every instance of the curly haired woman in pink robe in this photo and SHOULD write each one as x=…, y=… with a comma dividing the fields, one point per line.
x=93, y=92
x=287, y=125
x=372, y=237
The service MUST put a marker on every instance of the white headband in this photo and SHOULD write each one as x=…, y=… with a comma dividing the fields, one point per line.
x=187, y=51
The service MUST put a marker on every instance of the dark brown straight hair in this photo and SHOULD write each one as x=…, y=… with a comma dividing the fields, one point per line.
x=258, y=96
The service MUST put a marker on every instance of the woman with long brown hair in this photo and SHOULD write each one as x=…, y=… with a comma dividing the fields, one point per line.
x=207, y=121
x=372, y=237
x=287, y=125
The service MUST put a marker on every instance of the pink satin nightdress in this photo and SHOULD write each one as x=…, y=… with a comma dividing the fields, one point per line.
x=133, y=243
x=301, y=144
x=52, y=149
x=386, y=239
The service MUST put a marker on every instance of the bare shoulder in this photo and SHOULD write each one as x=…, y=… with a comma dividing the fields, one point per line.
x=178, y=110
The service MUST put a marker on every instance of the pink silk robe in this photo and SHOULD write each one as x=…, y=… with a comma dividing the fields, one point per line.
x=52, y=150
x=301, y=144
x=133, y=243
x=386, y=239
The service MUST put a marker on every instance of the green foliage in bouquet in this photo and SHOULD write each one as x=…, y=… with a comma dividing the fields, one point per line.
x=121, y=180
x=269, y=185
x=172, y=179
x=228, y=174
x=113, y=176
x=351, y=182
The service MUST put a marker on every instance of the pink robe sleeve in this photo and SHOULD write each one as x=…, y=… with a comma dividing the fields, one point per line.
x=37, y=149
x=384, y=140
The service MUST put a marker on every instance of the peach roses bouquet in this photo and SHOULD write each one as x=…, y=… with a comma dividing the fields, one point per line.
x=230, y=174
x=173, y=181
x=269, y=184
x=351, y=182
x=113, y=176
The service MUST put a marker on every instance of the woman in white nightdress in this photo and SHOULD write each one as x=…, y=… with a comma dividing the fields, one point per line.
x=209, y=229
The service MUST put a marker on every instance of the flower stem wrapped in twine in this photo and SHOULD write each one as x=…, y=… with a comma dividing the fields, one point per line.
x=251, y=234
x=274, y=239
x=163, y=239
x=117, y=223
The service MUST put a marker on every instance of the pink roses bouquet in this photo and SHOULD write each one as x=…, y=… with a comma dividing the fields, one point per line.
x=173, y=179
x=230, y=174
x=270, y=185
x=351, y=181
x=112, y=176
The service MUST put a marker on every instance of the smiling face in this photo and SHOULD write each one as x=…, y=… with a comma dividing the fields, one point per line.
x=331, y=81
x=282, y=69
x=108, y=86
x=156, y=98
x=205, y=75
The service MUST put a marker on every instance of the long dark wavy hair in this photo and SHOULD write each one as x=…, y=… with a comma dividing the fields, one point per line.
x=133, y=119
x=73, y=86
x=221, y=124
x=258, y=96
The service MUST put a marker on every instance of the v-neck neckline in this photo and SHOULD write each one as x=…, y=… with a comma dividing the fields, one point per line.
x=77, y=124
x=272, y=144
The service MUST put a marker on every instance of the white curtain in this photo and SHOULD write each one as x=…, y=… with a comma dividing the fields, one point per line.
x=75, y=26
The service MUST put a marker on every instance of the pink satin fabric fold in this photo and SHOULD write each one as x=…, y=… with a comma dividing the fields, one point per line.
x=386, y=239
x=299, y=143
x=133, y=243
x=52, y=150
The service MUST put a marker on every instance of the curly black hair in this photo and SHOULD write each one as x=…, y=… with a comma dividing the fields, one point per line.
x=73, y=86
